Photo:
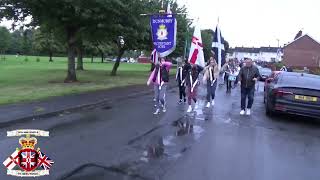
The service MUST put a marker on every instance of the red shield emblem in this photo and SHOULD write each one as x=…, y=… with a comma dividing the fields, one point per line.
x=28, y=159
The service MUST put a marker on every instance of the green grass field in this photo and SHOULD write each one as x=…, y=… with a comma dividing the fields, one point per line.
x=22, y=81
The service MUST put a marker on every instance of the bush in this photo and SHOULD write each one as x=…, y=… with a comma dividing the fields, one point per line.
x=26, y=59
x=279, y=65
x=38, y=59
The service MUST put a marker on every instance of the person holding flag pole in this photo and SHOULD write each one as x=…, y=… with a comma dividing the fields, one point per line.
x=219, y=50
x=194, y=67
x=160, y=78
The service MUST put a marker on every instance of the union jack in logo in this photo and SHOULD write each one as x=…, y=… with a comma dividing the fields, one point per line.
x=44, y=161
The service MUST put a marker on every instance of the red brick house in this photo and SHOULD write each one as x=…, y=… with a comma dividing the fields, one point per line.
x=302, y=52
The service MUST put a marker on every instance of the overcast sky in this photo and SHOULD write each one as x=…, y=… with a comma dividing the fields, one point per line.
x=258, y=22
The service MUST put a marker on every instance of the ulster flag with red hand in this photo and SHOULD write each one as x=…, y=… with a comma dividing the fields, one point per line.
x=196, y=49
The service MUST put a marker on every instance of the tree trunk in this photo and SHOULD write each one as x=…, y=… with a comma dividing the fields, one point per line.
x=102, y=57
x=91, y=58
x=117, y=63
x=80, y=59
x=50, y=56
x=71, y=75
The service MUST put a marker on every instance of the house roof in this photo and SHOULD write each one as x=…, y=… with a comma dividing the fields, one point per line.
x=247, y=49
x=269, y=49
x=254, y=50
x=302, y=37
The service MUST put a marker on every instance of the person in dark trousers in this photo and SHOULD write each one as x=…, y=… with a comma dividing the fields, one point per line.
x=211, y=73
x=248, y=76
x=192, y=81
x=228, y=69
x=180, y=78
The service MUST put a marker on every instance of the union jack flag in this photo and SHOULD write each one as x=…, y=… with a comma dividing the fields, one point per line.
x=44, y=161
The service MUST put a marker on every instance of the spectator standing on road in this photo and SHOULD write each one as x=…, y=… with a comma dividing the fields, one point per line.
x=160, y=78
x=211, y=74
x=248, y=76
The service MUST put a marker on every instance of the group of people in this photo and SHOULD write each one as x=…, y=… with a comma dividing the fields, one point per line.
x=188, y=80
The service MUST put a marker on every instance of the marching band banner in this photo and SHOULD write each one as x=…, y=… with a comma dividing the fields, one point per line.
x=164, y=31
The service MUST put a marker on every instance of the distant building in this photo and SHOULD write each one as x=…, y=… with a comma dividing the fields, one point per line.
x=304, y=52
x=268, y=54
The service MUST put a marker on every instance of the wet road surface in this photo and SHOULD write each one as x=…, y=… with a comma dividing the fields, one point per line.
x=125, y=141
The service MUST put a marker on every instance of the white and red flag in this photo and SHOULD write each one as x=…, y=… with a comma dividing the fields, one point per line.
x=12, y=161
x=196, y=49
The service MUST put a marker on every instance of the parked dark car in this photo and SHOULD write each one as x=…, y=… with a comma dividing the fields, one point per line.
x=265, y=73
x=293, y=93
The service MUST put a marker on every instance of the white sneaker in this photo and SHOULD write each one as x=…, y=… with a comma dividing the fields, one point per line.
x=242, y=112
x=157, y=112
x=154, y=99
x=189, y=109
x=248, y=112
x=196, y=106
x=164, y=109
x=208, y=105
x=212, y=102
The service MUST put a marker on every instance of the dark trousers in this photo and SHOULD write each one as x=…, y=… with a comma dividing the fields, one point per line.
x=247, y=92
x=182, y=92
x=211, y=90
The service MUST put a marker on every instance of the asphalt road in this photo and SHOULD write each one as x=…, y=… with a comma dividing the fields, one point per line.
x=125, y=141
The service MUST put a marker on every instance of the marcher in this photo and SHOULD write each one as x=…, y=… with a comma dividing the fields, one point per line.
x=160, y=77
x=192, y=81
x=229, y=69
x=248, y=76
x=210, y=78
x=180, y=78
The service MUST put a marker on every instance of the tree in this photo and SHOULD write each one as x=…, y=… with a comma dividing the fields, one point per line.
x=72, y=16
x=45, y=41
x=16, y=42
x=27, y=45
x=207, y=37
x=4, y=40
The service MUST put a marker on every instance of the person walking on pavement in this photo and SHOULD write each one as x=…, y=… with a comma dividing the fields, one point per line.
x=211, y=74
x=160, y=77
x=192, y=81
x=248, y=76
x=180, y=78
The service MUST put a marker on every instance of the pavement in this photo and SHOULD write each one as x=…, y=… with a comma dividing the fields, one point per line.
x=36, y=110
x=123, y=140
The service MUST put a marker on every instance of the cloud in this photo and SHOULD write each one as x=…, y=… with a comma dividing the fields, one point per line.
x=257, y=22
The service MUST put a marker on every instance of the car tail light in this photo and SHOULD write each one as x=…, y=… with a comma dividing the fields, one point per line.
x=279, y=92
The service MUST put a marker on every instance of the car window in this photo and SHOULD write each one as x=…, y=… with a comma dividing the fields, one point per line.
x=300, y=80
